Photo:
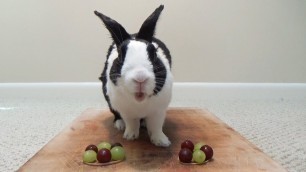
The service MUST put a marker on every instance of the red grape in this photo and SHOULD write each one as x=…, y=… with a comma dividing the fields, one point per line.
x=187, y=144
x=104, y=155
x=208, y=152
x=92, y=147
x=116, y=144
x=185, y=155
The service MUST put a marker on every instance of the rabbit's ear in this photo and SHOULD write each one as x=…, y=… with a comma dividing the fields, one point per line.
x=118, y=33
x=147, y=29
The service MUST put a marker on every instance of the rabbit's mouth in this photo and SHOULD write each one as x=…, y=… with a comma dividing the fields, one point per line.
x=140, y=96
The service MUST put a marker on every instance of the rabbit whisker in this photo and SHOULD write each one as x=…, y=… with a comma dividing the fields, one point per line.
x=163, y=70
x=114, y=75
x=160, y=73
x=160, y=78
x=157, y=67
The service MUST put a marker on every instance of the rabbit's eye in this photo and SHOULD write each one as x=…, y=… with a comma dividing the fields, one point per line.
x=151, y=52
x=122, y=51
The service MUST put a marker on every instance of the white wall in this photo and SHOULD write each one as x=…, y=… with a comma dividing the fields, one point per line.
x=210, y=41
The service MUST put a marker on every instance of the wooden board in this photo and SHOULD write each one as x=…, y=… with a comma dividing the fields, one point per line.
x=232, y=152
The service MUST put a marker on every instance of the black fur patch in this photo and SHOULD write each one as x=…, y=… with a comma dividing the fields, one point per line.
x=159, y=69
x=118, y=32
x=115, y=71
x=151, y=52
x=160, y=75
x=103, y=78
x=164, y=48
x=147, y=29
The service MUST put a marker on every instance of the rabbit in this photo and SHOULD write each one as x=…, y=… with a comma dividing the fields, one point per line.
x=137, y=79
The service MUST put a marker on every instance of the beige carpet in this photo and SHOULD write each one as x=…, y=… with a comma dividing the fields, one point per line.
x=30, y=117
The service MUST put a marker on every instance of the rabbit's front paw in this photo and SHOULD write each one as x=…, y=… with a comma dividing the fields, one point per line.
x=160, y=139
x=131, y=134
x=119, y=124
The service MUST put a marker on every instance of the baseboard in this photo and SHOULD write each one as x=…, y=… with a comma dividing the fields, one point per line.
x=240, y=90
x=181, y=90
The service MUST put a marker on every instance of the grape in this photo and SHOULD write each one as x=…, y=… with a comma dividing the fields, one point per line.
x=89, y=156
x=187, y=144
x=185, y=155
x=208, y=152
x=198, y=146
x=198, y=156
x=105, y=145
x=104, y=155
x=116, y=144
x=117, y=153
x=92, y=147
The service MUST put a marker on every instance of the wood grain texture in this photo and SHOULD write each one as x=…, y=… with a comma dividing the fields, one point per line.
x=232, y=152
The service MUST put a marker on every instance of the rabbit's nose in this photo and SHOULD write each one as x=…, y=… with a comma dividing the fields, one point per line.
x=140, y=80
x=140, y=77
x=140, y=84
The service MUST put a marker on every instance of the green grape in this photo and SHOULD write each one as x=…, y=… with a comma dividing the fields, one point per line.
x=198, y=146
x=105, y=145
x=89, y=156
x=116, y=144
x=117, y=153
x=198, y=156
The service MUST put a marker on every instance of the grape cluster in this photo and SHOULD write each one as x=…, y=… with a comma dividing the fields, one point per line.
x=104, y=152
x=198, y=153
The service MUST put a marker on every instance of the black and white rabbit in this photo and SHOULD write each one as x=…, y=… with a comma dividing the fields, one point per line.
x=137, y=80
